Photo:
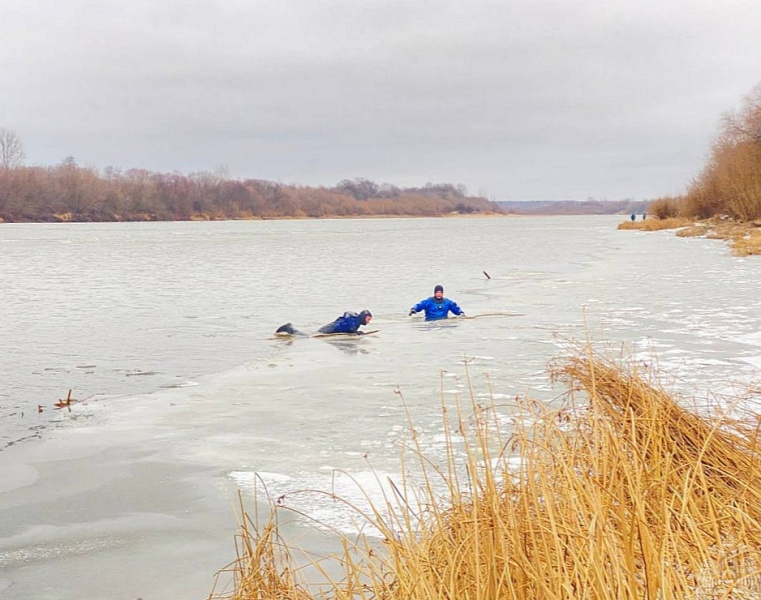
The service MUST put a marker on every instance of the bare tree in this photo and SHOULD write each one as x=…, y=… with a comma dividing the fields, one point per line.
x=11, y=150
x=359, y=188
x=745, y=125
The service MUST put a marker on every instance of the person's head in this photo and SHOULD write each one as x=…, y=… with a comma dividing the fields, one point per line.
x=365, y=317
x=438, y=292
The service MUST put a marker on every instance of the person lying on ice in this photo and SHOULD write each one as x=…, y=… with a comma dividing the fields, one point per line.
x=437, y=307
x=349, y=322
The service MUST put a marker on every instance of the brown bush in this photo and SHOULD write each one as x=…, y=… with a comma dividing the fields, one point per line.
x=664, y=208
x=730, y=183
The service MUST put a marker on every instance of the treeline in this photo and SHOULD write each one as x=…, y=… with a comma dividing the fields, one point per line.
x=68, y=192
x=730, y=183
x=574, y=207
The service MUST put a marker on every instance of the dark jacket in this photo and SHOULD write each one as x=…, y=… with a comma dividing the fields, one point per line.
x=349, y=322
x=437, y=309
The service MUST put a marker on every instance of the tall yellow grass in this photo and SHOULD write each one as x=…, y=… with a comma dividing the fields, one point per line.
x=621, y=493
x=657, y=224
x=747, y=243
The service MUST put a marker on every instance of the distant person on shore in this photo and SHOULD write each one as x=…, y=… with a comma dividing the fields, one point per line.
x=644, y=216
x=349, y=322
x=437, y=307
x=634, y=217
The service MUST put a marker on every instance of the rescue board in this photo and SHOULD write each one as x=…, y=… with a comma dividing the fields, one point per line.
x=345, y=335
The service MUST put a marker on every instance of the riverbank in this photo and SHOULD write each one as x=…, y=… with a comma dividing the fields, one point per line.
x=68, y=218
x=744, y=238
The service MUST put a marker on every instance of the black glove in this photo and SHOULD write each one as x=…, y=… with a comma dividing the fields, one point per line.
x=412, y=312
x=360, y=333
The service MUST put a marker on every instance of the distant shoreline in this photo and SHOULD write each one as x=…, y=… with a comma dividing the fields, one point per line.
x=202, y=219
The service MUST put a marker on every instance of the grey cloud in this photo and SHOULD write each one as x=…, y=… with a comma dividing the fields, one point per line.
x=527, y=99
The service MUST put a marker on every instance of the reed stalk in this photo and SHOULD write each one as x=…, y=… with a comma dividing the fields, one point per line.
x=623, y=492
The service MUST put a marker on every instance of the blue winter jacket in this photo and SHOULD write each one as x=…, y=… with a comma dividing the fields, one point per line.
x=349, y=322
x=437, y=309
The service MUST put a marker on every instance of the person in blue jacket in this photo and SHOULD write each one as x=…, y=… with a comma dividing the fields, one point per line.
x=437, y=307
x=349, y=322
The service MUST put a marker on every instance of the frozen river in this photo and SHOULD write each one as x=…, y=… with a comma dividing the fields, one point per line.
x=163, y=331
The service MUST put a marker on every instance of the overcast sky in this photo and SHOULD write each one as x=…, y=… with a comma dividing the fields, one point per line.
x=516, y=99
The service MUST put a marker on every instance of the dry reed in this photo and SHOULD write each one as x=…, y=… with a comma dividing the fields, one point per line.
x=631, y=225
x=657, y=224
x=744, y=238
x=622, y=493
x=747, y=242
x=667, y=207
